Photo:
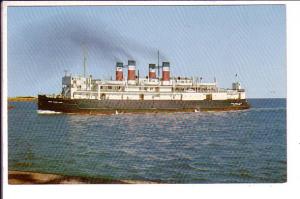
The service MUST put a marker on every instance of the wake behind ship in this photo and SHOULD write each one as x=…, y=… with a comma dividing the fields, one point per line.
x=83, y=94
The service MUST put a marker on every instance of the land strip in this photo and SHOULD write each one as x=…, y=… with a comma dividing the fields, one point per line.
x=22, y=99
x=27, y=177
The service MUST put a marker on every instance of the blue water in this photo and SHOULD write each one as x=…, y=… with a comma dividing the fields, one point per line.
x=205, y=147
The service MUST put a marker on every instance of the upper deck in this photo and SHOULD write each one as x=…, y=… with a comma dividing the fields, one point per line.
x=78, y=87
x=151, y=87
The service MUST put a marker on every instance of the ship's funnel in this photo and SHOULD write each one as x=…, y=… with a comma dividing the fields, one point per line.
x=131, y=70
x=152, y=72
x=119, y=71
x=166, y=71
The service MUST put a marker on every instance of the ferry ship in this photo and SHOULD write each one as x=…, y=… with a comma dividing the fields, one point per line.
x=153, y=93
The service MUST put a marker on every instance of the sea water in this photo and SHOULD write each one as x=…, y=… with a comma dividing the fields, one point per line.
x=205, y=147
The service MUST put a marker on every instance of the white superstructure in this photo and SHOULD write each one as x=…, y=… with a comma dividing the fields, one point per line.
x=136, y=88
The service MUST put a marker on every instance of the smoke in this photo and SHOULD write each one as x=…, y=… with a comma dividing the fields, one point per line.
x=41, y=49
x=106, y=42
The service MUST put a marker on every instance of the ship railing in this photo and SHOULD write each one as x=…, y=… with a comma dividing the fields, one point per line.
x=236, y=90
x=159, y=91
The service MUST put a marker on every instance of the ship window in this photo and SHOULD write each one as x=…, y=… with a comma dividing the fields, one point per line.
x=209, y=97
x=141, y=96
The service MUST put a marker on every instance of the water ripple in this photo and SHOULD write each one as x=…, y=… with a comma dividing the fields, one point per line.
x=203, y=147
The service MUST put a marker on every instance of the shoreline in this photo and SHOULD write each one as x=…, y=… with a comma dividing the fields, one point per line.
x=22, y=99
x=29, y=177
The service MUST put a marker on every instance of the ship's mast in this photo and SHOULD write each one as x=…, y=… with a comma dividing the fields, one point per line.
x=138, y=76
x=84, y=60
x=158, y=72
x=66, y=72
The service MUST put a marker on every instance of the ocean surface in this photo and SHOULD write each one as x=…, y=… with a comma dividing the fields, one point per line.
x=246, y=146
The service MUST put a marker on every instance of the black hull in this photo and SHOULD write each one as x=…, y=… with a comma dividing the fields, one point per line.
x=92, y=106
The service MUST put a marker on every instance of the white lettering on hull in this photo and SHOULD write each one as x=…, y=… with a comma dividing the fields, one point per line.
x=236, y=104
x=55, y=102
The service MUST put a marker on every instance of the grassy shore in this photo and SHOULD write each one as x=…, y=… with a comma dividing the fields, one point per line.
x=22, y=99
x=26, y=177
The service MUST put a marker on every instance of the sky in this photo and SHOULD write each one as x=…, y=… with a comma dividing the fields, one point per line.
x=198, y=41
